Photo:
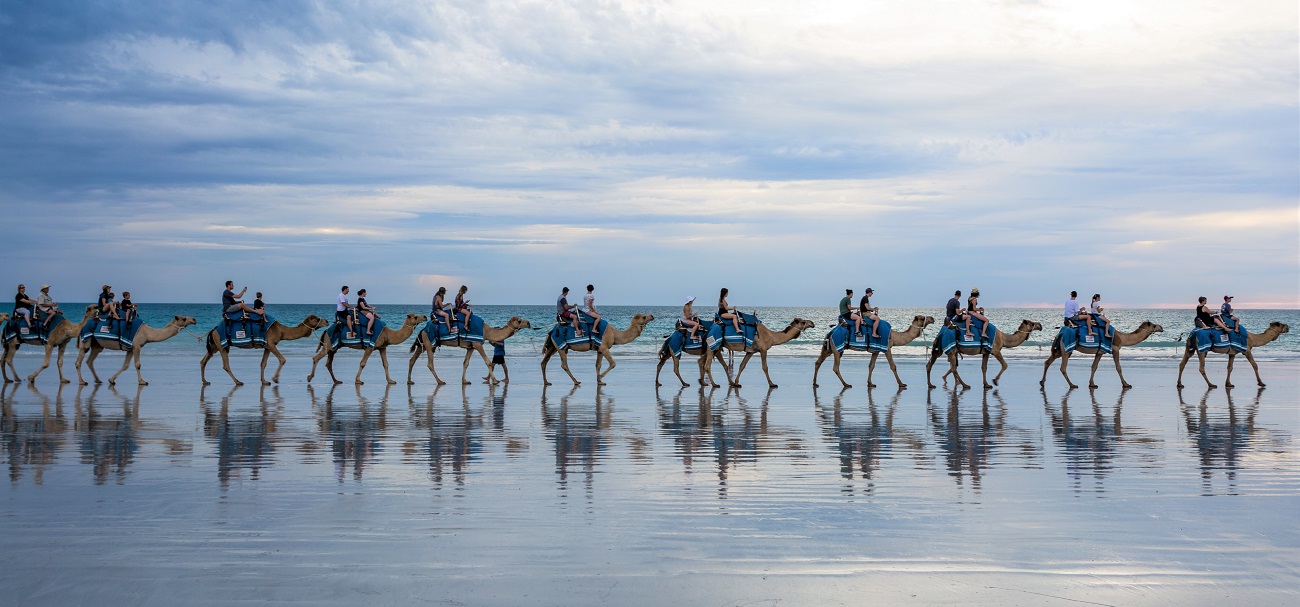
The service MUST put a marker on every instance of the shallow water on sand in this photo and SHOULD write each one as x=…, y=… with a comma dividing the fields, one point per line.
x=626, y=494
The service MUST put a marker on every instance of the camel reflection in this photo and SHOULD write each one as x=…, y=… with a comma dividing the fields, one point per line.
x=454, y=437
x=1091, y=443
x=1222, y=437
x=969, y=445
x=580, y=434
x=244, y=441
x=32, y=440
x=863, y=440
x=107, y=441
x=354, y=436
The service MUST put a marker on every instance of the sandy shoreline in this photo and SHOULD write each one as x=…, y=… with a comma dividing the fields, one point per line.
x=628, y=495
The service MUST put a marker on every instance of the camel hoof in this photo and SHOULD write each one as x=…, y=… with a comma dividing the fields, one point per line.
x=144, y=383
x=871, y=385
x=901, y=386
x=239, y=383
x=82, y=383
x=544, y=383
x=113, y=382
x=64, y=381
x=1072, y=386
x=601, y=383
x=339, y=381
x=1227, y=385
x=410, y=382
x=465, y=382
x=1042, y=383
x=1261, y=384
x=392, y=381
x=988, y=386
x=266, y=383
x=1212, y=386
x=1092, y=386
x=995, y=382
x=687, y=384
x=932, y=386
x=1127, y=386
x=207, y=383
x=1179, y=386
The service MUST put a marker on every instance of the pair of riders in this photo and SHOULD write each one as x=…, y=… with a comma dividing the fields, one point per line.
x=233, y=303
x=691, y=322
x=1073, y=314
x=42, y=309
x=1207, y=318
x=954, y=314
x=342, y=314
x=864, y=311
x=564, y=311
x=461, y=306
x=116, y=310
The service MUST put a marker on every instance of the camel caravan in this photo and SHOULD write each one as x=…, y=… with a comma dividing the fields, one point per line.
x=964, y=331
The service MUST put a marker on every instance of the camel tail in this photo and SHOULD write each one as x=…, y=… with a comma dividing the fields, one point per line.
x=415, y=345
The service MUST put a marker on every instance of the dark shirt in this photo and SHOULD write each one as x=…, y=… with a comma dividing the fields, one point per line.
x=104, y=299
x=954, y=304
x=864, y=305
x=499, y=348
x=126, y=305
x=972, y=303
x=20, y=304
x=227, y=299
x=1226, y=310
x=1204, y=316
x=362, y=305
x=460, y=302
x=258, y=305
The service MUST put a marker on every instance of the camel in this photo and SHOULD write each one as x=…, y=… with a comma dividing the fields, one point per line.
x=422, y=345
x=386, y=338
x=1144, y=330
x=764, y=339
x=1253, y=340
x=896, y=338
x=59, y=338
x=275, y=334
x=700, y=354
x=146, y=335
x=1000, y=340
x=613, y=337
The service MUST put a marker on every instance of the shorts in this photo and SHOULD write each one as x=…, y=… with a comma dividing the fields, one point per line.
x=498, y=359
x=341, y=316
x=231, y=309
x=24, y=312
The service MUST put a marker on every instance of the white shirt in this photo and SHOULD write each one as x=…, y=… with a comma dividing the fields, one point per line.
x=1071, y=308
x=343, y=302
x=44, y=302
x=1096, y=307
x=589, y=300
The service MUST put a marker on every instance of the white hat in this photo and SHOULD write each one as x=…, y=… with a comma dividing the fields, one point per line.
x=689, y=300
x=44, y=287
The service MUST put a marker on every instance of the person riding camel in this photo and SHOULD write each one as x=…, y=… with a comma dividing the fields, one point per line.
x=1208, y=318
x=975, y=311
x=341, y=315
x=462, y=305
x=1096, y=311
x=866, y=310
x=1073, y=314
x=726, y=312
x=127, y=307
x=589, y=308
x=46, y=307
x=564, y=309
x=106, y=306
x=439, y=309
x=689, y=319
x=232, y=302
x=24, y=306
x=848, y=314
x=367, y=310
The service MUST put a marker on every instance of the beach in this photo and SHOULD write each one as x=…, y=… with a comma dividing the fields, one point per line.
x=627, y=494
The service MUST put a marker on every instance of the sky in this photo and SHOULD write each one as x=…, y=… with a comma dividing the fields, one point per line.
x=1146, y=150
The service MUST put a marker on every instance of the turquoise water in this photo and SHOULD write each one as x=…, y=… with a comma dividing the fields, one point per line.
x=528, y=343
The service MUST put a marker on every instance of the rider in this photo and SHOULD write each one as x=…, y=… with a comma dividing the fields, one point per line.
x=865, y=310
x=440, y=309
x=1073, y=315
x=1095, y=310
x=231, y=302
x=46, y=305
x=564, y=309
x=847, y=313
x=106, y=306
x=367, y=311
x=973, y=310
x=259, y=306
x=341, y=310
x=127, y=307
x=1225, y=311
x=726, y=312
x=462, y=305
x=1208, y=318
x=24, y=306
x=688, y=317
x=953, y=314
x=589, y=306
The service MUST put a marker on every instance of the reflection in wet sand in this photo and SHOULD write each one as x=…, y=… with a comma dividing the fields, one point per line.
x=579, y=434
x=355, y=437
x=1092, y=443
x=1223, y=437
x=970, y=445
x=32, y=441
x=454, y=437
x=863, y=440
x=108, y=442
x=244, y=441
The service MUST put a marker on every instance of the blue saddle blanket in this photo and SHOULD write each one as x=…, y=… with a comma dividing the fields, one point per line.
x=19, y=329
x=358, y=338
x=1214, y=338
x=843, y=337
x=563, y=336
x=108, y=329
x=438, y=332
x=680, y=340
x=724, y=331
x=242, y=332
x=1077, y=337
x=952, y=338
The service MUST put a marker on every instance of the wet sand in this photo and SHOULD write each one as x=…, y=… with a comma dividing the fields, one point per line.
x=174, y=494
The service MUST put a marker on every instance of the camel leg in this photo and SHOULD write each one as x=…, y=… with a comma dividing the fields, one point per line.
x=744, y=361
x=321, y=349
x=835, y=366
x=871, y=369
x=1003, y=362
x=1187, y=355
x=482, y=352
x=464, y=372
x=81, y=356
x=1114, y=354
x=365, y=355
x=7, y=362
x=817, y=366
x=329, y=366
x=889, y=358
x=605, y=353
x=126, y=363
x=1047, y=366
x=952, y=365
x=1201, y=356
x=49, y=349
x=1096, y=360
x=272, y=349
x=139, y=378
x=1227, y=378
x=984, y=369
x=203, y=366
x=1065, y=358
x=762, y=357
x=564, y=364
x=546, y=356
x=934, y=356
x=62, y=349
x=1250, y=358
x=383, y=358
x=225, y=364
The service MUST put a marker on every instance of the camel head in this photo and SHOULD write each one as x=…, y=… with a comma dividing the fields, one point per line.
x=1030, y=326
x=642, y=319
x=1280, y=327
x=92, y=311
x=923, y=320
x=4, y=316
x=415, y=319
x=1151, y=327
x=802, y=324
x=519, y=324
x=184, y=321
x=314, y=322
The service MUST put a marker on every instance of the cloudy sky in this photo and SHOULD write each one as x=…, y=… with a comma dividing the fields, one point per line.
x=1149, y=150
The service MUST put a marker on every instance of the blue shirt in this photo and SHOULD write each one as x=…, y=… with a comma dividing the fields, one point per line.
x=499, y=349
